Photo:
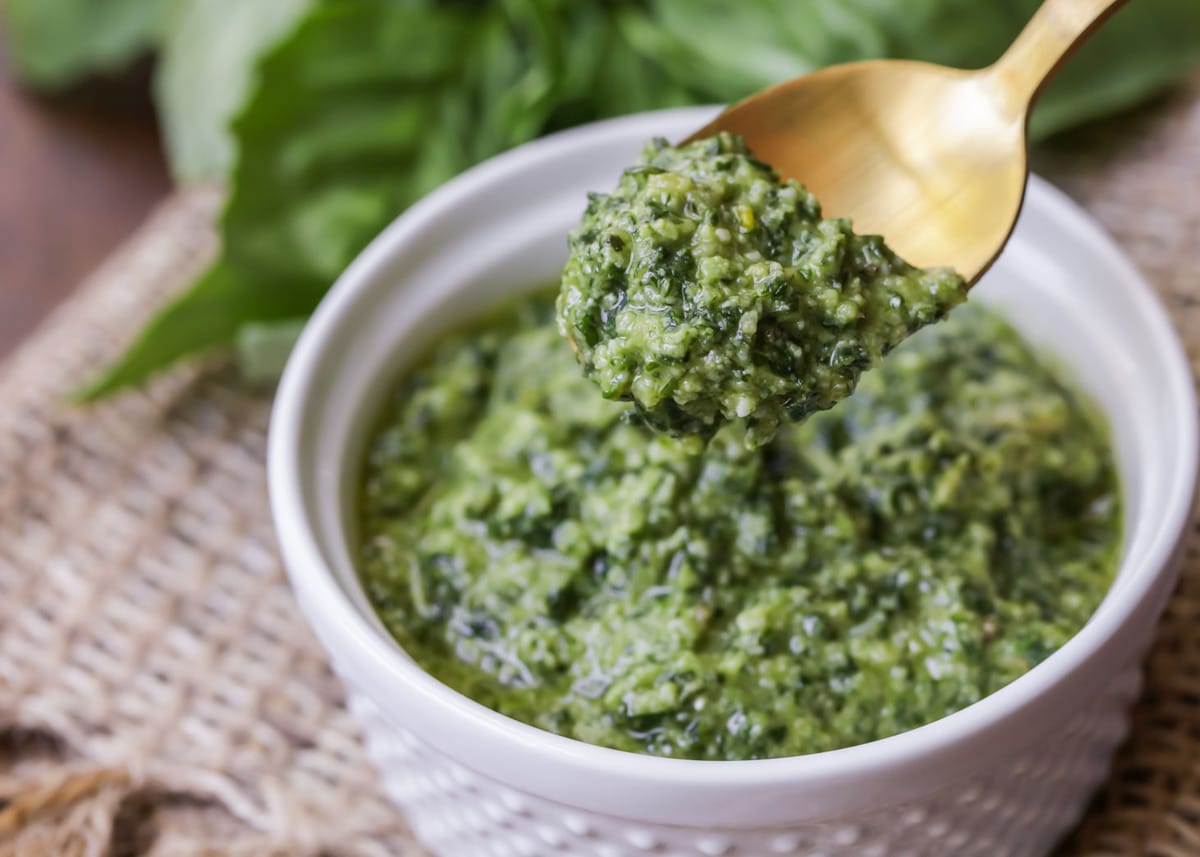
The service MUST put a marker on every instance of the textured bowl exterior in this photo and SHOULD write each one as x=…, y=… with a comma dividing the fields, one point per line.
x=1005, y=777
x=1019, y=808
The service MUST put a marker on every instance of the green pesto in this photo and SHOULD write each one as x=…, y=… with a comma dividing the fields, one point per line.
x=706, y=290
x=879, y=566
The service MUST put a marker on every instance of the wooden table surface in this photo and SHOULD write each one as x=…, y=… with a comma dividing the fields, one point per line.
x=78, y=173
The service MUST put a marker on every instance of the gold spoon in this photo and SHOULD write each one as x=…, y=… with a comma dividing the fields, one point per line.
x=934, y=159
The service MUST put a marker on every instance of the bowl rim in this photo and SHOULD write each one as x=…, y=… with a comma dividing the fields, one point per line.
x=314, y=580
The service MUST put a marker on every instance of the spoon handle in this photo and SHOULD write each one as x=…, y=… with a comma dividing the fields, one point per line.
x=1052, y=34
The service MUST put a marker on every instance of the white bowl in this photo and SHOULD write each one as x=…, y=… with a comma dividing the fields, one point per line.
x=1006, y=776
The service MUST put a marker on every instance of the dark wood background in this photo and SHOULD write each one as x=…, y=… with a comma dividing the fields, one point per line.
x=78, y=173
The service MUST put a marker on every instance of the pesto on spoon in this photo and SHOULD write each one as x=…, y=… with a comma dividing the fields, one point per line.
x=707, y=290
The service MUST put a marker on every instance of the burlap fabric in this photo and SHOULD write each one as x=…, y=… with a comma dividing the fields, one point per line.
x=159, y=692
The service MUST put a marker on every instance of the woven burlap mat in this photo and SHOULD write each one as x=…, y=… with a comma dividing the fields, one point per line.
x=160, y=693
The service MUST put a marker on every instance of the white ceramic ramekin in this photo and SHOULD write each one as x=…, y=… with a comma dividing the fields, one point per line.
x=1006, y=776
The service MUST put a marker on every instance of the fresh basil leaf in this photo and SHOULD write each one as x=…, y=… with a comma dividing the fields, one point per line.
x=210, y=313
x=55, y=43
x=206, y=66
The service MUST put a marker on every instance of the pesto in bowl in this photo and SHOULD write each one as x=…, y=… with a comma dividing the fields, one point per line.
x=873, y=569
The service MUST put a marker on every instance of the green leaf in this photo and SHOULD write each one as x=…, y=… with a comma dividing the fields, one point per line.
x=328, y=154
x=55, y=43
x=209, y=52
x=209, y=314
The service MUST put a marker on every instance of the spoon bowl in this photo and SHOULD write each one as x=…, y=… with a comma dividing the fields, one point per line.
x=934, y=159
